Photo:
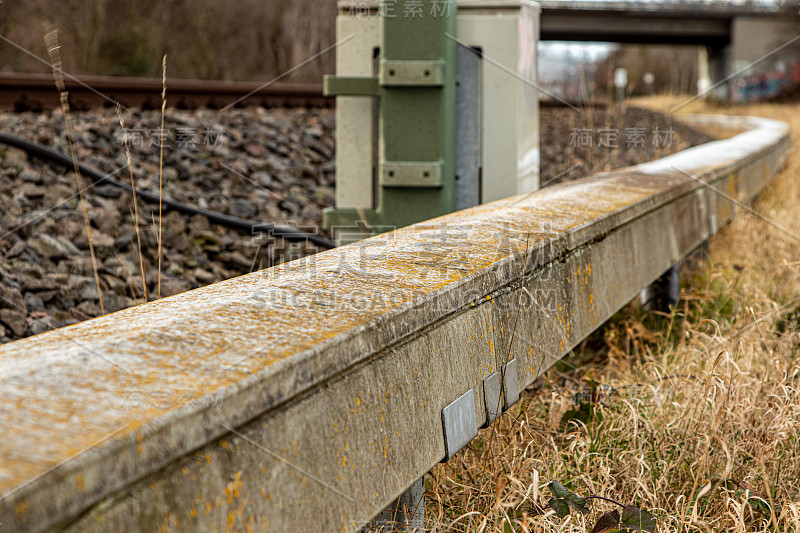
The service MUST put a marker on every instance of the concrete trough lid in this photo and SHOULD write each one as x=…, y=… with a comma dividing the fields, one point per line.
x=716, y=155
x=91, y=408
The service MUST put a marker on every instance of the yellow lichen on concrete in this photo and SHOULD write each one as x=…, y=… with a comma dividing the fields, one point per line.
x=114, y=379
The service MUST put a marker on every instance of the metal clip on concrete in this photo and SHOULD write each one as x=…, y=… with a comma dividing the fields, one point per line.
x=416, y=87
x=493, y=403
x=437, y=110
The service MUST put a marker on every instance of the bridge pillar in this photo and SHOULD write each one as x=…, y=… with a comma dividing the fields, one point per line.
x=762, y=50
x=718, y=68
x=703, y=78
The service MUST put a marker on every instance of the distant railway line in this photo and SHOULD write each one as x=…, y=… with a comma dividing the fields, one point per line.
x=37, y=92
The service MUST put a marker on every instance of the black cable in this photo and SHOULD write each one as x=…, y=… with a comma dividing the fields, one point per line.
x=50, y=154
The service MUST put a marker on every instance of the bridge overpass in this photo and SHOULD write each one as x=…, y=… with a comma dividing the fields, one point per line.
x=733, y=35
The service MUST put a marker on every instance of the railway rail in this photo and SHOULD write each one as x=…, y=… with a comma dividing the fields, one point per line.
x=21, y=92
x=37, y=92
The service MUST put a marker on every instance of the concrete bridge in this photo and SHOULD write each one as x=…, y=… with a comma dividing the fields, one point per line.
x=734, y=35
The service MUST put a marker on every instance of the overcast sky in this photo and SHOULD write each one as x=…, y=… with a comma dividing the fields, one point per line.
x=555, y=57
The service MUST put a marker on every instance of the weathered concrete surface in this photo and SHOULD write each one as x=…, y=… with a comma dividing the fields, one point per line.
x=309, y=395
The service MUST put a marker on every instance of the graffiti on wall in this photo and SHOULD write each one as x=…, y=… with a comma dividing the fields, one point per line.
x=759, y=87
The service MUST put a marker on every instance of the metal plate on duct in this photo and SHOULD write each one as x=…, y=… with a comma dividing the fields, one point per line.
x=491, y=398
x=460, y=424
x=511, y=383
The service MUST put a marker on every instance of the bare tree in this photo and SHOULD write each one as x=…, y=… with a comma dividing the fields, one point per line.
x=217, y=39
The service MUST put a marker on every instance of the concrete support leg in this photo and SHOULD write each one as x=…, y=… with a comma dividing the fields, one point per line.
x=406, y=513
x=663, y=295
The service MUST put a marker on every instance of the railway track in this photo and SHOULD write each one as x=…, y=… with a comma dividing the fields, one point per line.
x=37, y=92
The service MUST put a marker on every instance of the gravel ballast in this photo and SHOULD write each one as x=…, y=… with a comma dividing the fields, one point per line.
x=266, y=165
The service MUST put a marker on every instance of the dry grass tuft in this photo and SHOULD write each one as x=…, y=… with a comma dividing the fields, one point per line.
x=54, y=51
x=694, y=417
x=161, y=162
x=135, y=213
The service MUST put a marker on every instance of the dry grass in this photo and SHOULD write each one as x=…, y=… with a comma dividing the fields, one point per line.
x=135, y=210
x=161, y=164
x=694, y=417
x=54, y=52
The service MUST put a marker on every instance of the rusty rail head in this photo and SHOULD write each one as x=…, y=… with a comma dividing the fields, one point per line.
x=217, y=357
x=709, y=7
x=37, y=92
